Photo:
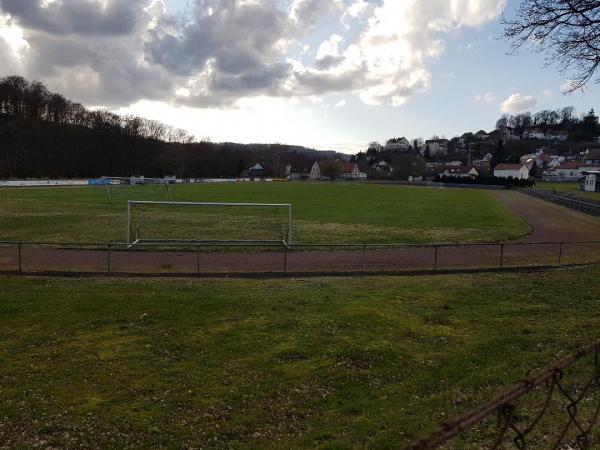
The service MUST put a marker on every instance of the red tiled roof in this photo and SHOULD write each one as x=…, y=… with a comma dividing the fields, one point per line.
x=570, y=165
x=508, y=166
x=345, y=167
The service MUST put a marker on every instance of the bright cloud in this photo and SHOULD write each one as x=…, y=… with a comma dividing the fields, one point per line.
x=220, y=52
x=517, y=103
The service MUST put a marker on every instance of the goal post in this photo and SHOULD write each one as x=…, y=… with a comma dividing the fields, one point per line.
x=137, y=188
x=202, y=222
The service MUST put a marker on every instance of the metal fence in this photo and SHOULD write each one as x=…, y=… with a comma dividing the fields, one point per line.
x=565, y=199
x=278, y=258
x=557, y=409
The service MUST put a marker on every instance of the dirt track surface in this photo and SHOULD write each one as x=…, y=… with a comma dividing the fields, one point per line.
x=549, y=222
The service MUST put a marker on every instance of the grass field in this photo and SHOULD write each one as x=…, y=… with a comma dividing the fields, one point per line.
x=323, y=212
x=319, y=363
x=570, y=188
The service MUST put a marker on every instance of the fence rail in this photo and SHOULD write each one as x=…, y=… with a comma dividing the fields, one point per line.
x=254, y=257
x=578, y=403
x=565, y=199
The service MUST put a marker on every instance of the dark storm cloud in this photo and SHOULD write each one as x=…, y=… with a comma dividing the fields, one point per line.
x=87, y=17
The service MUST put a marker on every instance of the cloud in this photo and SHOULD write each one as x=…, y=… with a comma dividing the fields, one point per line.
x=219, y=52
x=488, y=97
x=517, y=103
x=340, y=104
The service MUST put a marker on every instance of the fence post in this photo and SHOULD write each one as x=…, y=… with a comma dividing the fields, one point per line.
x=364, y=259
x=108, y=265
x=560, y=252
x=198, y=259
x=435, y=261
x=19, y=245
x=501, y=256
x=285, y=250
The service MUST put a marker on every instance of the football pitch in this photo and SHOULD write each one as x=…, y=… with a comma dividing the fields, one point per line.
x=322, y=213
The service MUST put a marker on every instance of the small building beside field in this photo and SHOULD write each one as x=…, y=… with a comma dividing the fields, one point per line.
x=519, y=171
x=460, y=172
x=592, y=181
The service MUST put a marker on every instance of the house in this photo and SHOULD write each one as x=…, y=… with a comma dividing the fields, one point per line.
x=504, y=134
x=383, y=166
x=520, y=171
x=350, y=171
x=256, y=171
x=568, y=171
x=557, y=135
x=592, y=181
x=483, y=167
x=436, y=147
x=592, y=158
x=398, y=144
x=534, y=133
x=481, y=135
x=460, y=172
x=307, y=172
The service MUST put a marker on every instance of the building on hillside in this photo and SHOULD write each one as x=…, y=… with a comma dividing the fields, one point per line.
x=398, y=144
x=436, y=147
x=520, y=171
x=383, y=167
x=504, y=134
x=534, y=133
x=307, y=172
x=460, y=172
x=557, y=135
x=481, y=135
x=592, y=181
x=350, y=171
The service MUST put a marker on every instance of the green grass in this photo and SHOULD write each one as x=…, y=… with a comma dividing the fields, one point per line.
x=323, y=212
x=570, y=188
x=320, y=363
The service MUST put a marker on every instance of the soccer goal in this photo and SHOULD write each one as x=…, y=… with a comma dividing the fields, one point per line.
x=160, y=222
x=138, y=188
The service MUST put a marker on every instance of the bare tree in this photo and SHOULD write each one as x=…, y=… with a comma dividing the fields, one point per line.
x=567, y=31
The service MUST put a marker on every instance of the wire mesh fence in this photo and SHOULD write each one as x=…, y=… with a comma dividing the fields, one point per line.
x=252, y=257
x=557, y=409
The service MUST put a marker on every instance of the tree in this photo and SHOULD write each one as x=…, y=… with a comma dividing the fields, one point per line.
x=331, y=169
x=499, y=155
x=502, y=122
x=534, y=170
x=590, y=125
x=427, y=153
x=567, y=31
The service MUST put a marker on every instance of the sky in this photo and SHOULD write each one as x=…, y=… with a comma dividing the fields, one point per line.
x=327, y=74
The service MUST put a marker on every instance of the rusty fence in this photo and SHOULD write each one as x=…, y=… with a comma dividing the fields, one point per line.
x=277, y=258
x=557, y=409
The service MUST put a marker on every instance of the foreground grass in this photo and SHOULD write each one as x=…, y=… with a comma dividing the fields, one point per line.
x=326, y=363
x=323, y=213
x=570, y=188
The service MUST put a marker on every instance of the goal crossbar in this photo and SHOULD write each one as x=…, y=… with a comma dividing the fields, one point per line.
x=136, y=240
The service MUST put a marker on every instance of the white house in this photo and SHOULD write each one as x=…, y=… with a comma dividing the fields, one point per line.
x=383, y=166
x=436, y=147
x=558, y=135
x=592, y=181
x=569, y=171
x=350, y=171
x=520, y=171
x=534, y=133
x=315, y=172
x=400, y=144
x=460, y=172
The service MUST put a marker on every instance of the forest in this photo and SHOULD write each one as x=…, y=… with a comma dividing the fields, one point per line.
x=45, y=135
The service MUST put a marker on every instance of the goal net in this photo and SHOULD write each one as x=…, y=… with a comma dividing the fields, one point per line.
x=118, y=189
x=198, y=222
